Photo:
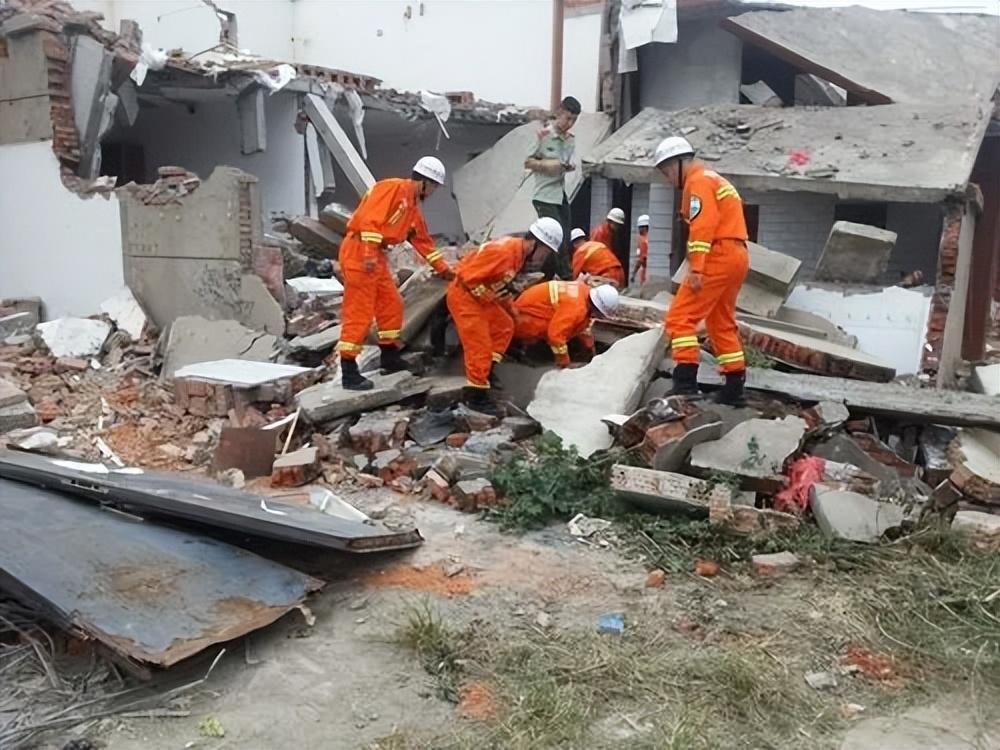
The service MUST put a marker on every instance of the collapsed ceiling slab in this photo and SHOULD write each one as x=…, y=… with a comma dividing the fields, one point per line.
x=151, y=595
x=920, y=153
x=883, y=56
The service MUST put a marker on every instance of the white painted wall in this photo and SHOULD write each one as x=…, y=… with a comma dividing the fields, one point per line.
x=209, y=136
x=498, y=49
x=50, y=235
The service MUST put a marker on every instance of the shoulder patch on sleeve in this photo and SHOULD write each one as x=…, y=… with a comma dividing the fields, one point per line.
x=694, y=207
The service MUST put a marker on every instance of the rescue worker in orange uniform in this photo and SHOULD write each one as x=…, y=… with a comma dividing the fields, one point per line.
x=605, y=231
x=595, y=258
x=388, y=214
x=642, y=224
x=480, y=303
x=559, y=311
x=718, y=259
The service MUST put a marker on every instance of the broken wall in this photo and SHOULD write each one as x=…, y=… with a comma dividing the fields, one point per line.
x=201, y=136
x=703, y=66
x=51, y=235
x=194, y=255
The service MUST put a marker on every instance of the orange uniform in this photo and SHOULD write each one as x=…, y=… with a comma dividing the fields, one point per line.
x=643, y=259
x=717, y=248
x=388, y=214
x=556, y=311
x=603, y=234
x=480, y=305
x=597, y=259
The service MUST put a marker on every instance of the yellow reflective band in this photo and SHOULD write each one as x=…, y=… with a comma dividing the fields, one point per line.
x=591, y=251
x=479, y=290
x=471, y=384
x=684, y=341
x=560, y=349
x=497, y=357
x=433, y=256
x=553, y=292
x=398, y=213
x=723, y=359
x=695, y=246
x=725, y=190
x=392, y=333
x=346, y=346
x=371, y=237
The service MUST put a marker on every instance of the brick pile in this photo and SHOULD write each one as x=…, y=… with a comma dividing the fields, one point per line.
x=173, y=184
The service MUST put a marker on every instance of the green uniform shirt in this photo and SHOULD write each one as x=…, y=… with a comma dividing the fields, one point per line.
x=551, y=145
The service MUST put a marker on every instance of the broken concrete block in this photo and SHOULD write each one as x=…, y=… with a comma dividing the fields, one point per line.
x=379, y=431
x=297, y=468
x=572, y=402
x=520, y=428
x=126, y=312
x=16, y=324
x=35, y=439
x=314, y=234
x=489, y=442
x=934, y=442
x=666, y=446
x=975, y=454
x=326, y=401
x=848, y=515
x=261, y=311
x=663, y=491
x=74, y=337
x=310, y=285
x=761, y=94
x=855, y=253
x=71, y=364
x=470, y=420
x=446, y=390
x=17, y=416
x=471, y=495
x=439, y=486
x=828, y=416
x=775, y=563
x=431, y=427
x=755, y=450
x=984, y=527
x=985, y=379
x=813, y=91
x=457, y=465
x=10, y=394
x=215, y=388
x=193, y=339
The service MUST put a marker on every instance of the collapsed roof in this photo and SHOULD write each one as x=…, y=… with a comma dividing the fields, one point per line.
x=918, y=153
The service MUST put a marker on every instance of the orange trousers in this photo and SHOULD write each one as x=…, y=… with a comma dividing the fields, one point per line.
x=725, y=269
x=368, y=295
x=485, y=330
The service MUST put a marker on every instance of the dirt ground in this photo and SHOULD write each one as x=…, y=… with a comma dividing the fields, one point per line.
x=347, y=682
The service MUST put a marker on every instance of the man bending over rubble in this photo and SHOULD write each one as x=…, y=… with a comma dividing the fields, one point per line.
x=479, y=301
x=559, y=311
x=595, y=259
x=388, y=214
x=718, y=263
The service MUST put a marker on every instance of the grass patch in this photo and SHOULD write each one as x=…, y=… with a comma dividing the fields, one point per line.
x=437, y=646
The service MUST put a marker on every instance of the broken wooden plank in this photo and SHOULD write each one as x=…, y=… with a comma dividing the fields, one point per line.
x=919, y=405
x=665, y=491
x=335, y=138
x=327, y=401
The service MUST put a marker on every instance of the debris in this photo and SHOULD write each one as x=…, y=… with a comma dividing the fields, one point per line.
x=74, y=337
x=379, y=431
x=193, y=340
x=108, y=577
x=456, y=439
x=821, y=680
x=489, y=442
x=445, y=391
x=470, y=420
x=813, y=91
x=975, y=454
x=775, y=563
x=470, y=495
x=761, y=94
x=656, y=579
x=918, y=405
x=755, y=450
x=297, y=468
x=934, y=442
x=849, y=515
x=829, y=416
x=806, y=471
x=34, y=439
x=982, y=527
x=666, y=446
x=232, y=478
x=520, y=428
x=17, y=417
x=16, y=324
x=217, y=387
x=347, y=157
x=706, y=568
x=612, y=623
x=584, y=527
x=544, y=620
x=126, y=312
x=855, y=253
x=986, y=379
x=316, y=235
x=249, y=449
x=10, y=394
x=662, y=491
x=572, y=402
x=71, y=364
x=326, y=401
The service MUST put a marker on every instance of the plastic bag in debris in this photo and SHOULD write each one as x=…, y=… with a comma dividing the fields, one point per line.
x=277, y=78
x=437, y=104
x=149, y=59
x=810, y=470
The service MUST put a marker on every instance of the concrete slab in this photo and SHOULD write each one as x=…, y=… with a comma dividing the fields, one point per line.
x=823, y=327
x=17, y=417
x=74, y=337
x=260, y=310
x=755, y=450
x=572, y=402
x=313, y=285
x=849, y=515
x=347, y=157
x=664, y=491
x=239, y=372
x=126, y=312
x=976, y=523
x=326, y=401
x=193, y=339
x=813, y=91
x=16, y=324
x=986, y=379
x=10, y=394
x=855, y=253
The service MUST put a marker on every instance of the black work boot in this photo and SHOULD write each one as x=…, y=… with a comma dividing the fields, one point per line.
x=392, y=360
x=495, y=379
x=685, y=377
x=731, y=393
x=352, y=378
x=478, y=399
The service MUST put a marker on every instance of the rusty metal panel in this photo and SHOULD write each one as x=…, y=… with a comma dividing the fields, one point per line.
x=150, y=594
x=195, y=499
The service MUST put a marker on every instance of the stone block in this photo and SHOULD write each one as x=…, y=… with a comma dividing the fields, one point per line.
x=775, y=563
x=74, y=337
x=10, y=394
x=855, y=253
x=471, y=495
x=379, y=431
x=297, y=468
x=17, y=417
x=842, y=514
x=983, y=527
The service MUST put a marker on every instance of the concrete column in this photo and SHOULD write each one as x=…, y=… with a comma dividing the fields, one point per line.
x=600, y=200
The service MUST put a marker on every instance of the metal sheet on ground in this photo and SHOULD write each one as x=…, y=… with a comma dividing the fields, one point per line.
x=205, y=502
x=148, y=593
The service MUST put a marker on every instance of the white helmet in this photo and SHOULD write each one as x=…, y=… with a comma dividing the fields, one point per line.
x=605, y=299
x=642, y=221
x=431, y=168
x=548, y=231
x=671, y=148
x=616, y=215
x=577, y=234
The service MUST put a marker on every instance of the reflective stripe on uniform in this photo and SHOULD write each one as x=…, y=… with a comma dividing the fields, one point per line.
x=682, y=342
x=389, y=334
x=371, y=237
x=725, y=359
x=560, y=349
x=346, y=346
x=497, y=357
x=471, y=384
x=695, y=246
x=434, y=255
x=554, y=292
x=726, y=191
x=478, y=291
